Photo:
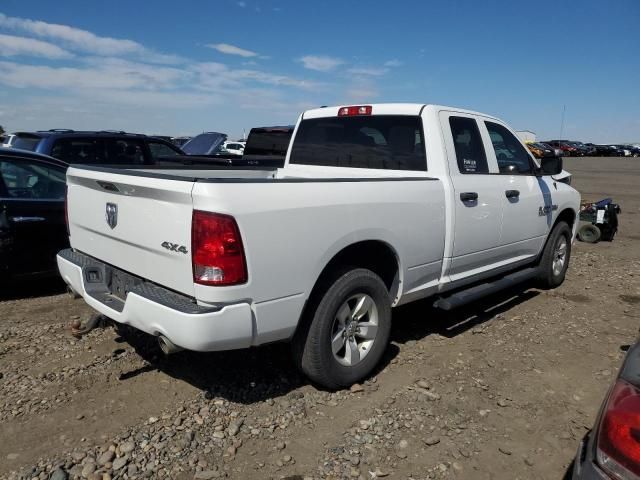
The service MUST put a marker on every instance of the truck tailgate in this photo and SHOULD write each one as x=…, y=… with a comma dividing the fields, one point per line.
x=141, y=225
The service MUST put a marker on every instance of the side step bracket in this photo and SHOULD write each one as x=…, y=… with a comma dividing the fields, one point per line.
x=476, y=292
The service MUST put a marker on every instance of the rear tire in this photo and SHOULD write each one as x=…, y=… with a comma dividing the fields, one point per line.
x=345, y=330
x=555, y=257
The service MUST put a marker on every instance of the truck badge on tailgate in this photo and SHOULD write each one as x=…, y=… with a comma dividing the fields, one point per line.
x=112, y=215
x=174, y=247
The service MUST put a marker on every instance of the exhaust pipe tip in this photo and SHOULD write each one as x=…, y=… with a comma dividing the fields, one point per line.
x=167, y=346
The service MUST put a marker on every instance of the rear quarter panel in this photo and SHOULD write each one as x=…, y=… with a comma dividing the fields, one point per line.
x=292, y=229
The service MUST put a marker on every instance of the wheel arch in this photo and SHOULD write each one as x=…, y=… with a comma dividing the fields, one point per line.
x=567, y=215
x=375, y=255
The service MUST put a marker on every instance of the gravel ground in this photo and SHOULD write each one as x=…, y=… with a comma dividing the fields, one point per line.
x=503, y=389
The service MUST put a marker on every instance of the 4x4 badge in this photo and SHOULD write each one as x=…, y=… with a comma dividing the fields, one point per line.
x=112, y=215
x=174, y=247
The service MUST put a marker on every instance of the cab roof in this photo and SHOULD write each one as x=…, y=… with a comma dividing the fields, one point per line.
x=387, y=109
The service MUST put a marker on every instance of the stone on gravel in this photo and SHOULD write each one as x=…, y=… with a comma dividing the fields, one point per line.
x=430, y=441
x=88, y=469
x=59, y=474
x=106, y=457
x=234, y=427
x=127, y=447
x=118, y=463
x=505, y=450
x=423, y=384
x=356, y=388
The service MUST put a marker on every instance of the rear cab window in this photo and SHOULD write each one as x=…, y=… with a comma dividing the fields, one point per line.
x=390, y=142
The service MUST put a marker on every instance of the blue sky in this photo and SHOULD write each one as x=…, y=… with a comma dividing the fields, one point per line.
x=185, y=67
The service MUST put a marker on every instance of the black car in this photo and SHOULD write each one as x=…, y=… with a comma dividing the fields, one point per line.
x=605, y=151
x=611, y=450
x=32, y=214
x=104, y=147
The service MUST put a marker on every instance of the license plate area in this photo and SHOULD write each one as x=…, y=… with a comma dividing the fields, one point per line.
x=122, y=283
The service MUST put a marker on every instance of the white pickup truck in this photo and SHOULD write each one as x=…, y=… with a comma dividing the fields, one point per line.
x=376, y=206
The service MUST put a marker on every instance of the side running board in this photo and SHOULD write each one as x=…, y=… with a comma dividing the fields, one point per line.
x=474, y=293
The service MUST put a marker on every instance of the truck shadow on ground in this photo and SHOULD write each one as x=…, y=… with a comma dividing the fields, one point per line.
x=257, y=374
x=32, y=289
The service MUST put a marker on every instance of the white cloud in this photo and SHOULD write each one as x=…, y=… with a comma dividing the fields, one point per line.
x=232, y=50
x=83, y=40
x=393, y=63
x=11, y=45
x=321, y=63
x=368, y=71
x=242, y=4
x=213, y=75
x=41, y=76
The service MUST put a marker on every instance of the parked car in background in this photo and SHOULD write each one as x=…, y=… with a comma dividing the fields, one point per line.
x=583, y=148
x=103, y=147
x=266, y=147
x=605, y=151
x=611, y=450
x=540, y=150
x=567, y=149
x=235, y=148
x=635, y=150
x=268, y=144
x=621, y=150
x=208, y=143
x=32, y=214
x=180, y=141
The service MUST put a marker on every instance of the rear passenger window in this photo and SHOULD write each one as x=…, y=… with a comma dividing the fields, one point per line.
x=124, y=152
x=78, y=150
x=161, y=150
x=392, y=142
x=511, y=156
x=470, y=152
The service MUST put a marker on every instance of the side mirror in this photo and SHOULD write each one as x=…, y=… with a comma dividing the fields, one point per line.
x=550, y=165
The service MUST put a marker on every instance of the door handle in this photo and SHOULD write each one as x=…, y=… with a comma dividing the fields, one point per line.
x=27, y=219
x=512, y=193
x=468, y=196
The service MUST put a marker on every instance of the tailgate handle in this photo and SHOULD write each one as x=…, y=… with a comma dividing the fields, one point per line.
x=468, y=196
x=108, y=186
x=27, y=219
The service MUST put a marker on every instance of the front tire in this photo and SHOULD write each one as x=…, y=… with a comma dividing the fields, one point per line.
x=555, y=257
x=346, y=329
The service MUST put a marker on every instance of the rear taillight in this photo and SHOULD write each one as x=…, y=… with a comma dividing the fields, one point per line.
x=66, y=209
x=216, y=250
x=618, y=449
x=355, y=110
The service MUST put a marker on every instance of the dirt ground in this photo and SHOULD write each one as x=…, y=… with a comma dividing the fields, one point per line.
x=503, y=389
